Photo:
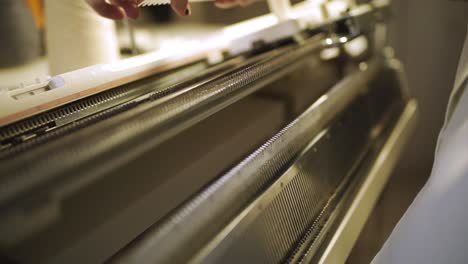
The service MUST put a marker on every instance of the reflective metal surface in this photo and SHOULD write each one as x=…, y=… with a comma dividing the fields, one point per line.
x=348, y=231
x=172, y=168
x=136, y=128
x=259, y=210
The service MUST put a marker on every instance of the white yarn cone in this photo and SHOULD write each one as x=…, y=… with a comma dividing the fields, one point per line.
x=280, y=8
x=77, y=37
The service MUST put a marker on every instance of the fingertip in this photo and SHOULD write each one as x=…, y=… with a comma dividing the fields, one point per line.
x=106, y=10
x=131, y=9
x=181, y=7
x=188, y=10
x=116, y=14
x=133, y=13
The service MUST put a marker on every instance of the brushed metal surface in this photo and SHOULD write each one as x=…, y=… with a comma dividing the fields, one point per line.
x=182, y=235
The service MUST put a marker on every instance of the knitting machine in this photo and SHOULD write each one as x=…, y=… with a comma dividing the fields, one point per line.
x=268, y=142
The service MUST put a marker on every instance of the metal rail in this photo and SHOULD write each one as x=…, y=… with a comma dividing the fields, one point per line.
x=59, y=168
x=194, y=223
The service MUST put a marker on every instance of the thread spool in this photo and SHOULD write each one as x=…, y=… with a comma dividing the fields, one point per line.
x=281, y=8
x=77, y=37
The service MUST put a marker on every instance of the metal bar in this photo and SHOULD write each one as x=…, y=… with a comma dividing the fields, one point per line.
x=61, y=167
x=196, y=219
x=349, y=229
x=108, y=102
x=154, y=118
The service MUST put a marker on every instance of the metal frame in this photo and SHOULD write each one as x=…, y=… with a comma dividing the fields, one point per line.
x=356, y=216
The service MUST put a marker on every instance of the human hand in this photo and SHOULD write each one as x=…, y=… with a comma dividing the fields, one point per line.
x=118, y=9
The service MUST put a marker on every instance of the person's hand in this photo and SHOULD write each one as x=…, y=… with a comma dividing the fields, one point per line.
x=118, y=9
x=115, y=9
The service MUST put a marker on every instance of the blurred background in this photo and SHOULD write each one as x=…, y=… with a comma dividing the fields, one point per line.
x=426, y=35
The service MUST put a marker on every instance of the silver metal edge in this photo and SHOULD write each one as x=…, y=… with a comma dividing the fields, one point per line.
x=353, y=222
x=254, y=209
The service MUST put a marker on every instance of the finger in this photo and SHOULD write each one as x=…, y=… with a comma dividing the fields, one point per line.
x=181, y=7
x=129, y=6
x=106, y=10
